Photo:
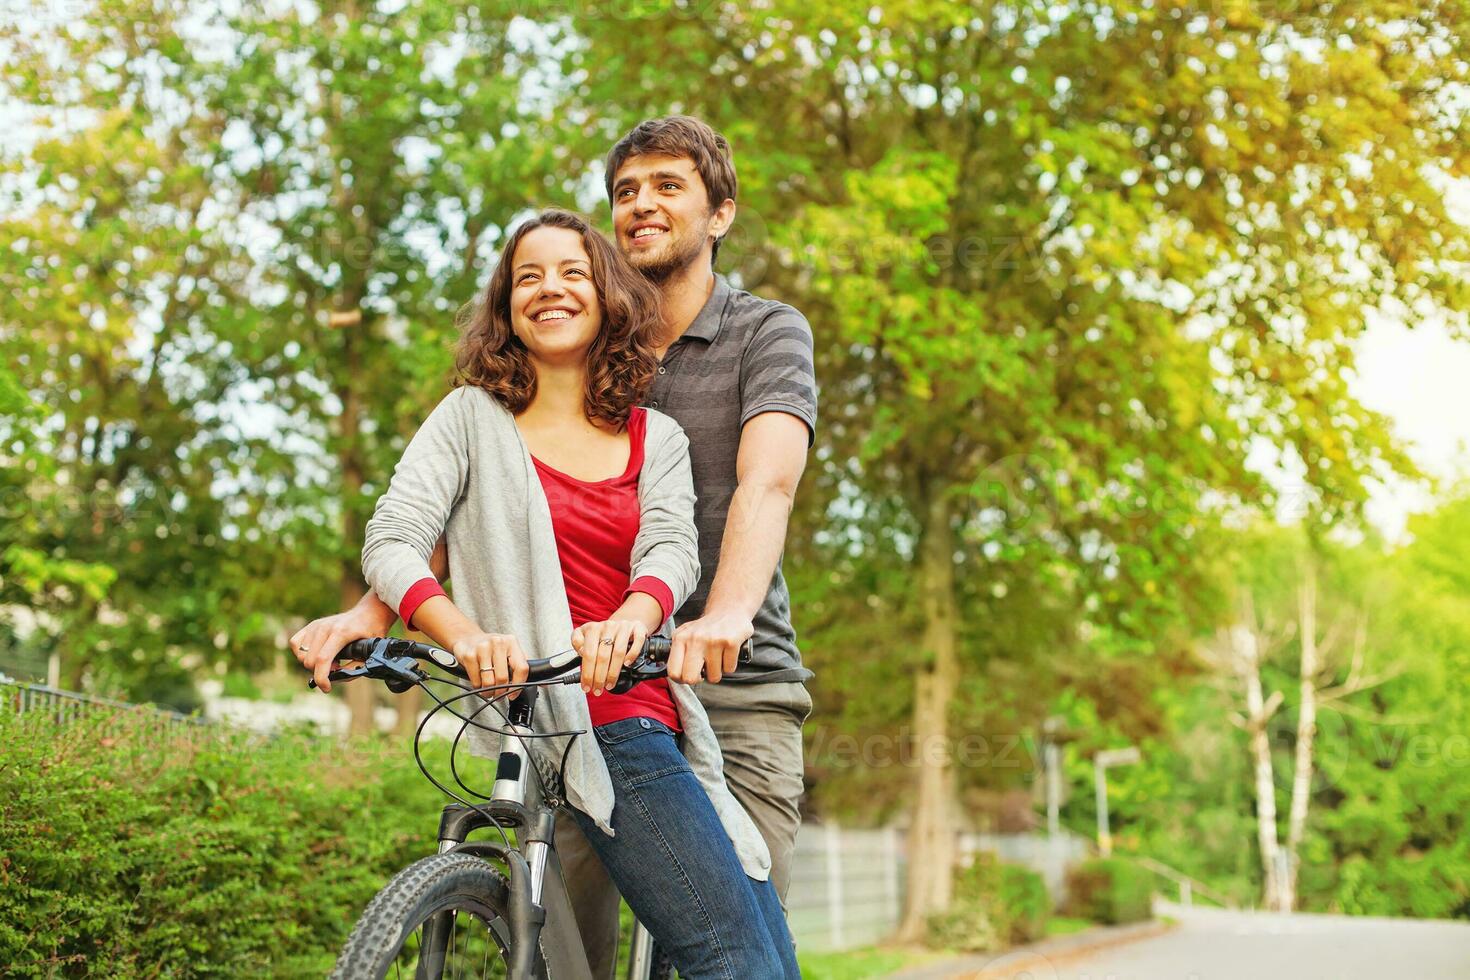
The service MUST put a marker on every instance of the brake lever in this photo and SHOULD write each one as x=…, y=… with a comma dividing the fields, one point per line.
x=645, y=668
x=342, y=674
x=398, y=672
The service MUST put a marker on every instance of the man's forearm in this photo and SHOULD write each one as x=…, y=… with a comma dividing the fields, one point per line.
x=377, y=610
x=755, y=533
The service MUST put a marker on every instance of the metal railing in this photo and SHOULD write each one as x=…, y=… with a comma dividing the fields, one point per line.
x=64, y=707
x=1188, y=887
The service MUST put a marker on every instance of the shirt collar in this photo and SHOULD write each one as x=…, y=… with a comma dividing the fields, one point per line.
x=706, y=325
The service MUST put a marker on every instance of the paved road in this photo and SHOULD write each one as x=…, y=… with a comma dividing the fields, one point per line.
x=1212, y=944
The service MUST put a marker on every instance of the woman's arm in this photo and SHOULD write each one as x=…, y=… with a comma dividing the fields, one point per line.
x=413, y=512
x=666, y=550
x=488, y=658
x=667, y=547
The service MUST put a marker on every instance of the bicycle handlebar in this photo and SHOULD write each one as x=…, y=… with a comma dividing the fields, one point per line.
x=394, y=662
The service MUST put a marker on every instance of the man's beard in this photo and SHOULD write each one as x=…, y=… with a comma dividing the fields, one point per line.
x=678, y=256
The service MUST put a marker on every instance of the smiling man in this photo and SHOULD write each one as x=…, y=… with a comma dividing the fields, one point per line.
x=736, y=372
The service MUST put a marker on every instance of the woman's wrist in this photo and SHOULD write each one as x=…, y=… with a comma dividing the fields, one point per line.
x=440, y=619
x=641, y=608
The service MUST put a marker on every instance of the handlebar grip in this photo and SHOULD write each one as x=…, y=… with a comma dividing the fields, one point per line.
x=658, y=648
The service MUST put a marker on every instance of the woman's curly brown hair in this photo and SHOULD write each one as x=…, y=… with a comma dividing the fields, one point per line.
x=621, y=360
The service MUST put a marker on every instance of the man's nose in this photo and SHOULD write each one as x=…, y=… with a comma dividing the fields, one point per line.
x=643, y=202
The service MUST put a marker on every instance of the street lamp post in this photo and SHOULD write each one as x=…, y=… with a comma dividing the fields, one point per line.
x=1100, y=764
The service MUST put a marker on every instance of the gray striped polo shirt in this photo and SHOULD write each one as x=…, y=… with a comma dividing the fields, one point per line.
x=741, y=356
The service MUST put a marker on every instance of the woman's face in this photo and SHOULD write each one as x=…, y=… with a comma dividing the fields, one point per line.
x=553, y=300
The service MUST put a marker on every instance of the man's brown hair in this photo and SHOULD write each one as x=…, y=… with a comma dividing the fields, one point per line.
x=620, y=362
x=681, y=136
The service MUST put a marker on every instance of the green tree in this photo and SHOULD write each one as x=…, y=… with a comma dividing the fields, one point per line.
x=381, y=151
x=1071, y=264
x=121, y=315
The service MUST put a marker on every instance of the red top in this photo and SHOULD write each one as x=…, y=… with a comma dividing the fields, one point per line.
x=595, y=524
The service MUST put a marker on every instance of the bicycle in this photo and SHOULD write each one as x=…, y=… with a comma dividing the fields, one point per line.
x=510, y=898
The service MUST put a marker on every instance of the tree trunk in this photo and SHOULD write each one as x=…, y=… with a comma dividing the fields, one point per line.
x=359, y=693
x=1306, y=734
x=1258, y=716
x=931, y=855
x=360, y=699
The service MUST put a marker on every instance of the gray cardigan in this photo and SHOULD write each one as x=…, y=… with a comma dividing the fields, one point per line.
x=467, y=473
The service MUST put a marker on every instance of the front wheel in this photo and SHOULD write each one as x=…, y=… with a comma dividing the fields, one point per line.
x=444, y=916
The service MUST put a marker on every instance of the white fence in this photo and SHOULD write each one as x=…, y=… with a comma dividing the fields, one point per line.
x=847, y=886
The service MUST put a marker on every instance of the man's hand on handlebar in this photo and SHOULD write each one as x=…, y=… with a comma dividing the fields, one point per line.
x=317, y=643
x=492, y=659
x=708, y=648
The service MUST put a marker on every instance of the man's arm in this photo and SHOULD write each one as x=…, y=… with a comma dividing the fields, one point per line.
x=768, y=467
x=321, y=639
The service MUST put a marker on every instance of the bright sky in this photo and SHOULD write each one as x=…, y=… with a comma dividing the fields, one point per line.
x=1420, y=378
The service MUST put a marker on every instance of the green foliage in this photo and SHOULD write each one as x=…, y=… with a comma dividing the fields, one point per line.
x=125, y=851
x=1110, y=890
x=856, y=964
x=1386, y=831
x=995, y=905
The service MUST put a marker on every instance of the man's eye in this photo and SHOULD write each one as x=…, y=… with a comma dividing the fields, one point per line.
x=669, y=185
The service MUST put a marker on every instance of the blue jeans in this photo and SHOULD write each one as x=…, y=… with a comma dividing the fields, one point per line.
x=674, y=864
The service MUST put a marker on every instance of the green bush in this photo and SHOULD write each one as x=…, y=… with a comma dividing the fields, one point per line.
x=995, y=905
x=1110, y=890
x=130, y=851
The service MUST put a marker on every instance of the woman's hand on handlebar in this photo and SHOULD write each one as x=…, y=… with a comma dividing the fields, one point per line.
x=606, y=648
x=317, y=643
x=492, y=659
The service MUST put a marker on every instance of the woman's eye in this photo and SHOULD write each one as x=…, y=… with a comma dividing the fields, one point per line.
x=670, y=186
x=576, y=272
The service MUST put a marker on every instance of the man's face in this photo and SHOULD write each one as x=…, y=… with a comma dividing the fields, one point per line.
x=661, y=214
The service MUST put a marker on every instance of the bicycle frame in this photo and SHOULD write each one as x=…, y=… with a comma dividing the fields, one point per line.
x=537, y=888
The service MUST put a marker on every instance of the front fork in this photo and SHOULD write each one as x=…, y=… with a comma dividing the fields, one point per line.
x=526, y=865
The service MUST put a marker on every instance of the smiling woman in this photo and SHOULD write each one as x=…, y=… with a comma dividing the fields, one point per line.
x=565, y=297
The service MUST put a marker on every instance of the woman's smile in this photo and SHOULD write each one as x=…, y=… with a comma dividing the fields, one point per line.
x=558, y=311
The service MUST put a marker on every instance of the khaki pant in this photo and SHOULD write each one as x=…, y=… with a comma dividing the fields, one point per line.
x=758, y=727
